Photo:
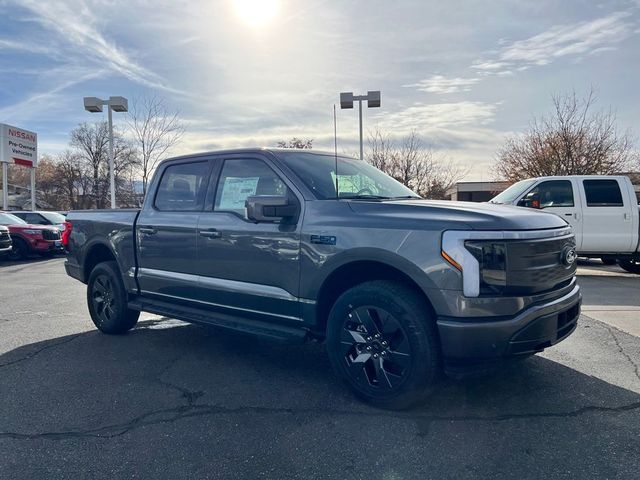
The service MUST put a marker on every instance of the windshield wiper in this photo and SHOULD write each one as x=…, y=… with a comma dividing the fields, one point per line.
x=405, y=197
x=366, y=197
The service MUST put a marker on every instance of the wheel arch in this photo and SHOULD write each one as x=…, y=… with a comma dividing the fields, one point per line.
x=355, y=272
x=96, y=253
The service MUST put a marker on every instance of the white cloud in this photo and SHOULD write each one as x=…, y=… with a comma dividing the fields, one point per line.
x=577, y=39
x=438, y=116
x=35, y=104
x=440, y=84
x=76, y=25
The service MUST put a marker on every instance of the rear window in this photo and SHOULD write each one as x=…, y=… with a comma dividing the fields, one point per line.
x=603, y=193
x=183, y=187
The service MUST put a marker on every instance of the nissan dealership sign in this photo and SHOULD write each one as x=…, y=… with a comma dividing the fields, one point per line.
x=18, y=146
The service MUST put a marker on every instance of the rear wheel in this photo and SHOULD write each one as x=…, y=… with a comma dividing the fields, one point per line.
x=630, y=265
x=20, y=249
x=107, y=300
x=383, y=342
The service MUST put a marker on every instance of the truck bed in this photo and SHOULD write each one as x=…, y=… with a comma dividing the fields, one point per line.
x=91, y=228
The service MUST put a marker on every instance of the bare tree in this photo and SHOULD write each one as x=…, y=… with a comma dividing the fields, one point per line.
x=413, y=164
x=90, y=142
x=296, y=143
x=573, y=140
x=74, y=181
x=155, y=130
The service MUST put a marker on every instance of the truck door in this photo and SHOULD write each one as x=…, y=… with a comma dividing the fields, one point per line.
x=561, y=198
x=249, y=268
x=166, y=231
x=607, y=217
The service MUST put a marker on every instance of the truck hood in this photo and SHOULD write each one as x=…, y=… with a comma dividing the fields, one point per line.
x=475, y=216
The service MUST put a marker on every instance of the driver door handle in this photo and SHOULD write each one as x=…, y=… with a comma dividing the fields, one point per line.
x=210, y=233
x=148, y=230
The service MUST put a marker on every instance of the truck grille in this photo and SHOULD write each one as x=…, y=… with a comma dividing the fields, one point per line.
x=50, y=234
x=5, y=239
x=535, y=266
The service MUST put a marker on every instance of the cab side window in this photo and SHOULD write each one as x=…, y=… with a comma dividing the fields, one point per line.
x=552, y=193
x=602, y=193
x=35, y=219
x=244, y=178
x=183, y=187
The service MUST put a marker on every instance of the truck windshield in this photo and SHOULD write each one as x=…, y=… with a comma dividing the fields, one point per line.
x=8, y=219
x=513, y=192
x=356, y=178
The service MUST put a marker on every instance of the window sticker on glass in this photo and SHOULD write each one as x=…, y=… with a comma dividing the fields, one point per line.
x=236, y=190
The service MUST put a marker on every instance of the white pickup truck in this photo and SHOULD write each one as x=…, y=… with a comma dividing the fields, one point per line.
x=602, y=210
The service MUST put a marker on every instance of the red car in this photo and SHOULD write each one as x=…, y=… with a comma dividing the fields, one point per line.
x=27, y=238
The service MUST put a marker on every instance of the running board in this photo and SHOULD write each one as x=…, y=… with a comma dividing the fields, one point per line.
x=279, y=333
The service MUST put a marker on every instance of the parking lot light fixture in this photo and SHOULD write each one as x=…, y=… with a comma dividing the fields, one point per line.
x=116, y=104
x=373, y=101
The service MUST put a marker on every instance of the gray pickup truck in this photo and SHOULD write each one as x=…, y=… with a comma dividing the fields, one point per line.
x=399, y=288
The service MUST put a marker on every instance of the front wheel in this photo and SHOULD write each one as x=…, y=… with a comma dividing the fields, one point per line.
x=630, y=265
x=383, y=342
x=19, y=251
x=107, y=300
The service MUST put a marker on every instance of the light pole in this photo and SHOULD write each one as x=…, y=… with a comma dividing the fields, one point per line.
x=373, y=100
x=116, y=104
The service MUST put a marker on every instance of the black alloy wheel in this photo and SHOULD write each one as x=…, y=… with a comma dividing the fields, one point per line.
x=102, y=297
x=19, y=250
x=383, y=341
x=375, y=348
x=107, y=300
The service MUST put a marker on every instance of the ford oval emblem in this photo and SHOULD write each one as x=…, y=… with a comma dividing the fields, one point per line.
x=568, y=256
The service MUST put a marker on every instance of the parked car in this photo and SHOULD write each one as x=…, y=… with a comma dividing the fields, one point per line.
x=41, y=217
x=5, y=242
x=603, y=212
x=27, y=238
x=397, y=287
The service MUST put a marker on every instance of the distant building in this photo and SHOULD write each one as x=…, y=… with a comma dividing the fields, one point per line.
x=476, y=191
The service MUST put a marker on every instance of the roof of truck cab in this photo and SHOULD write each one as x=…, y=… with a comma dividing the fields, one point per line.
x=251, y=150
x=577, y=177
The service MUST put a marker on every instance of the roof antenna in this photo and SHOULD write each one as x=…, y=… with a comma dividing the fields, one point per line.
x=335, y=146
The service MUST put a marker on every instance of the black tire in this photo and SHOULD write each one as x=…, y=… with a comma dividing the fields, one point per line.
x=47, y=254
x=608, y=261
x=107, y=300
x=630, y=265
x=382, y=316
x=20, y=250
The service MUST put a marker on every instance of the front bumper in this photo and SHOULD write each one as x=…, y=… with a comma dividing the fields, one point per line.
x=43, y=246
x=4, y=250
x=474, y=340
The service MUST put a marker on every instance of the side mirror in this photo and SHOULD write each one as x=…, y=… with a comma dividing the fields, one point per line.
x=269, y=208
x=530, y=201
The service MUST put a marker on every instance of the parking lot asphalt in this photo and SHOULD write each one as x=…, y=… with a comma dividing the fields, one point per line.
x=172, y=400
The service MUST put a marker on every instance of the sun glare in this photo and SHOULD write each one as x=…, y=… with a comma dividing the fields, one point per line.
x=256, y=13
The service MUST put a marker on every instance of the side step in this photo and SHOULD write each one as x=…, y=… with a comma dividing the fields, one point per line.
x=279, y=333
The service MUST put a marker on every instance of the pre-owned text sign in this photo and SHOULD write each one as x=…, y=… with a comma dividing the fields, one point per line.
x=18, y=145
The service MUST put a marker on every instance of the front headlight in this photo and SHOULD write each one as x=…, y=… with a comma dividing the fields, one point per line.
x=481, y=258
x=492, y=263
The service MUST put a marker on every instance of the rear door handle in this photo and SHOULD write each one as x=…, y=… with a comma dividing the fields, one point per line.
x=147, y=230
x=210, y=233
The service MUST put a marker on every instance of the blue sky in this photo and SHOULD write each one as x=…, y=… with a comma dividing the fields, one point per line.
x=464, y=74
